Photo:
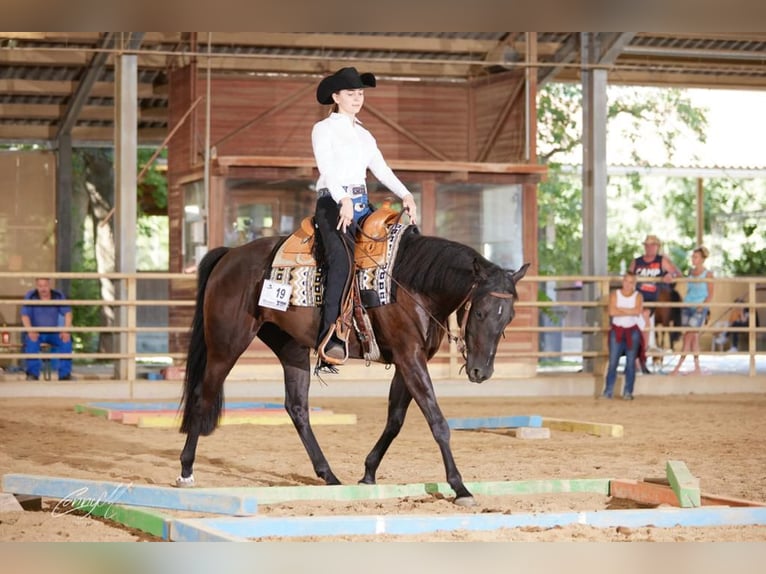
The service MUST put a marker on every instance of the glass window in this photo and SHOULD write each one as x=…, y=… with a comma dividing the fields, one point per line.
x=194, y=228
x=486, y=217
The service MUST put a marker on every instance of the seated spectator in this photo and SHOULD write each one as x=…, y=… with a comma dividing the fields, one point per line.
x=739, y=317
x=625, y=308
x=54, y=315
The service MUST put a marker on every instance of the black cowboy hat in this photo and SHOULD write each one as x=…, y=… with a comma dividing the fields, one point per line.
x=343, y=79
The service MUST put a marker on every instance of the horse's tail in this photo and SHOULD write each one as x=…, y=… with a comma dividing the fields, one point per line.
x=196, y=358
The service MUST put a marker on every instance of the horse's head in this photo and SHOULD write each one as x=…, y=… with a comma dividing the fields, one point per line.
x=487, y=311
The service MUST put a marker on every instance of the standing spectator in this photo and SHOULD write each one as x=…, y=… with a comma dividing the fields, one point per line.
x=54, y=315
x=652, y=265
x=625, y=308
x=699, y=292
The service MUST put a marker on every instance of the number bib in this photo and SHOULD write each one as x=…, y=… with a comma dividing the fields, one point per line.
x=275, y=295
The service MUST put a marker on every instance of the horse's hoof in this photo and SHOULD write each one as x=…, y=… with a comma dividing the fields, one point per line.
x=466, y=501
x=187, y=482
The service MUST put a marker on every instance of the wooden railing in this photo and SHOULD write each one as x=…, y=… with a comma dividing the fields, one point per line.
x=581, y=301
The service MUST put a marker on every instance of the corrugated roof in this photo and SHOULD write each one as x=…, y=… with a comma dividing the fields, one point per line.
x=41, y=71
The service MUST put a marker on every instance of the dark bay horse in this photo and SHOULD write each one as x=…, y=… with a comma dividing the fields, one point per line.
x=435, y=277
x=669, y=316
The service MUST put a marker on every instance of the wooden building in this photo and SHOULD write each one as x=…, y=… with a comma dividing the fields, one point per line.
x=460, y=147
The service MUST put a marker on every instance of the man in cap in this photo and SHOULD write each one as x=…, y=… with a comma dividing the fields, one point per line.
x=652, y=265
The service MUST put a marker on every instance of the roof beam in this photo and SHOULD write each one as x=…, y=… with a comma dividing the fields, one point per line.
x=568, y=51
x=318, y=65
x=693, y=53
x=80, y=134
x=81, y=94
x=87, y=113
x=613, y=44
x=13, y=86
x=321, y=41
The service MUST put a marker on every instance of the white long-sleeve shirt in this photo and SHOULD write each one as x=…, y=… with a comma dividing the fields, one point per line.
x=344, y=150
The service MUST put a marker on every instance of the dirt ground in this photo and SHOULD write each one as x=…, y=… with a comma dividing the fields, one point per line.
x=720, y=438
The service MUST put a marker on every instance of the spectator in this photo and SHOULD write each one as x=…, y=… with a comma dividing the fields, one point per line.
x=53, y=315
x=625, y=309
x=699, y=292
x=740, y=317
x=652, y=265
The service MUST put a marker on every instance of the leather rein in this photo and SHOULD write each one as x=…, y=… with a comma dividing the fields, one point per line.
x=459, y=340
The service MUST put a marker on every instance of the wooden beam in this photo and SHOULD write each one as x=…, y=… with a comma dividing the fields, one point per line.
x=88, y=113
x=406, y=133
x=612, y=45
x=11, y=86
x=673, y=79
x=373, y=42
x=499, y=122
x=400, y=164
x=80, y=134
x=78, y=37
x=40, y=56
x=82, y=91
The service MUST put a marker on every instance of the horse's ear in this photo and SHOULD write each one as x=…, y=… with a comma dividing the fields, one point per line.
x=518, y=275
x=479, y=271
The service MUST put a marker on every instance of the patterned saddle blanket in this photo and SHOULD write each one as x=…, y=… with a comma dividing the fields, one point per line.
x=374, y=254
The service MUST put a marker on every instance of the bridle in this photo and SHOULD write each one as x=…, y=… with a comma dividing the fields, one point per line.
x=459, y=340
x=466, y=305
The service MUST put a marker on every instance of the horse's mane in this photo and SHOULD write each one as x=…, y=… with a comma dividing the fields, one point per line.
x=427, y=263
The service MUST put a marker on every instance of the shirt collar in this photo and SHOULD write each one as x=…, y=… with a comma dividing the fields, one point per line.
x=337, y=116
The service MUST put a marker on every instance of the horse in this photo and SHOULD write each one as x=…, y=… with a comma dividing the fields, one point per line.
x=434, y=277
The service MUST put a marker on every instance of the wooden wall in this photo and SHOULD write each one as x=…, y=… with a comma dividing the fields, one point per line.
x=480, y=120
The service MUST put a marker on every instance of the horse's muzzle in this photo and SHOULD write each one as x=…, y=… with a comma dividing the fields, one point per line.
x=477, y=375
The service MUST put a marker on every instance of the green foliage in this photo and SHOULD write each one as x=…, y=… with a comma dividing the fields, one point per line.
x=82, y=315
x=668, y=113
x=751, y=262
x=153, y=178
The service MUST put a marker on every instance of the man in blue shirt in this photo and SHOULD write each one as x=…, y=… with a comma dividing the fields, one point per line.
x=53, y=315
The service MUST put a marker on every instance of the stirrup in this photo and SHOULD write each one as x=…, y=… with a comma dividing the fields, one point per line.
x=323, y=345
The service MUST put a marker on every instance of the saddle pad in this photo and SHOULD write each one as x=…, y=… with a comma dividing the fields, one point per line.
x=307, y=286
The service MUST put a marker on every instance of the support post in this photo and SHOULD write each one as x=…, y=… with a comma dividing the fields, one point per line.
x=594, y=239
x=125, y=167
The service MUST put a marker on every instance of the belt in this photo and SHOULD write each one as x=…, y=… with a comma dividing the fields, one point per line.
x=354, y=190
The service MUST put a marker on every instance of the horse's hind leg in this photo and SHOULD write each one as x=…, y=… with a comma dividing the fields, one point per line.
x=399, y=399
x=207, y=405
x=296, y=365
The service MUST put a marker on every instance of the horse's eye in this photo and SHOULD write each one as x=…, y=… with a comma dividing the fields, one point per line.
x=479, y=314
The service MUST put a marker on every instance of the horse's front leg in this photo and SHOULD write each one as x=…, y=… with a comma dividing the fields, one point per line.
x=399, y=399
x=296, y=365
x=421, y=388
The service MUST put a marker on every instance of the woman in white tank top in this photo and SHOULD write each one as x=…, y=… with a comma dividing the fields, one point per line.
x=625, y=308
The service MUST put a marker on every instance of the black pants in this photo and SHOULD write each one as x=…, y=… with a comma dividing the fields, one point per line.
x=338, y=252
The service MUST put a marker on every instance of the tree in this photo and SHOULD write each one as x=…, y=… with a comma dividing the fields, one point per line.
x=631, y=111
x=93, y=224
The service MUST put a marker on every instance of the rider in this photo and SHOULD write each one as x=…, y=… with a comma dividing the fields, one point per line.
x=652, y=265
x=344, y=150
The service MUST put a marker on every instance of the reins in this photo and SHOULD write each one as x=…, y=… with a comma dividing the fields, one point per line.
x=459, y=340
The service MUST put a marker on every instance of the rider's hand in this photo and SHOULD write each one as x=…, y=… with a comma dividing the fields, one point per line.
x=346, y=214
x=411, y=208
